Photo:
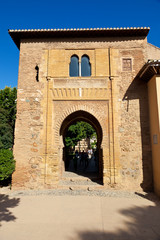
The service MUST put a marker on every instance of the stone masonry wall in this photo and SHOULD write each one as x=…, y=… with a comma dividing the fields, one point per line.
x=136, y=160
x=127, y=97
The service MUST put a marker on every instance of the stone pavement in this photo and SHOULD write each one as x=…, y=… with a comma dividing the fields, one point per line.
x=69, y=217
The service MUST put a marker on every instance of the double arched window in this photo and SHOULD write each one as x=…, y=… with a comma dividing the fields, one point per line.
x=80, y=69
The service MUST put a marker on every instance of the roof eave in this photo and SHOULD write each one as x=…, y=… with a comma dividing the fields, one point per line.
x=18, y=35
x=151, y=68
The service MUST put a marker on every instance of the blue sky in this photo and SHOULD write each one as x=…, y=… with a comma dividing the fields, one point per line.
x=34, y=14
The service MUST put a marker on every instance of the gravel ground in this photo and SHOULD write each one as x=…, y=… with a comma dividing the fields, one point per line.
x=100, y=193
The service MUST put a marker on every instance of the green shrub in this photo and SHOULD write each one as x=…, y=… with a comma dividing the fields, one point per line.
x=7, y=164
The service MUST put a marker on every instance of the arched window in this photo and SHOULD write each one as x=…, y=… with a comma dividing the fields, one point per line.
x=74, y=66
x=85, y=66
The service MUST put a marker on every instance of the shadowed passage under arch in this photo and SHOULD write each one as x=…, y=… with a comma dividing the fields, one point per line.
x=76, y=157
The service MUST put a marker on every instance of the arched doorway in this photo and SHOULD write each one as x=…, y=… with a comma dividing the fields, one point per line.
x=84, y=116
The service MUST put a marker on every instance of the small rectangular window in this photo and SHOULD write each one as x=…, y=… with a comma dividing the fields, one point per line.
x=126, y=64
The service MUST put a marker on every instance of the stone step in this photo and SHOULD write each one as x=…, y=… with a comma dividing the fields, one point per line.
x=80, y=187
x=80, y=177
x=88, y=175
x=80, y=183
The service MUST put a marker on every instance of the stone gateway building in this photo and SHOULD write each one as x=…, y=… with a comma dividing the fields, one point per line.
x=106, y=77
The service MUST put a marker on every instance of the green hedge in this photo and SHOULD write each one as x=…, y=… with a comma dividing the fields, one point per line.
x=7, y=164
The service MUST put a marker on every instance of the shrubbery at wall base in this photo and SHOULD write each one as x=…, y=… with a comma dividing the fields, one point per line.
x=7, y=164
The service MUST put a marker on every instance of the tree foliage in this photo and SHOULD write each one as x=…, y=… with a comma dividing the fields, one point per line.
x=7, y=123
x=7, y=164
x=78, y=131
x=7, y=116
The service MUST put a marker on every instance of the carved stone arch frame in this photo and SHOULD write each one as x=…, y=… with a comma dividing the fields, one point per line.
x=61, y=103
x=104, y=146
x=78, y=107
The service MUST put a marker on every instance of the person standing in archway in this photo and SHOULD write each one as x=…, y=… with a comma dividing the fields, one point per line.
x=82, y=158
x=76, y=160
x=86, y=159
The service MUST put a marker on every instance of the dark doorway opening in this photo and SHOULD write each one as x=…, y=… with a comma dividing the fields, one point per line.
x=82, y=155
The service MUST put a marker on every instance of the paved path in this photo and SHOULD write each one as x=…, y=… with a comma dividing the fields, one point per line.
x=53, y=217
